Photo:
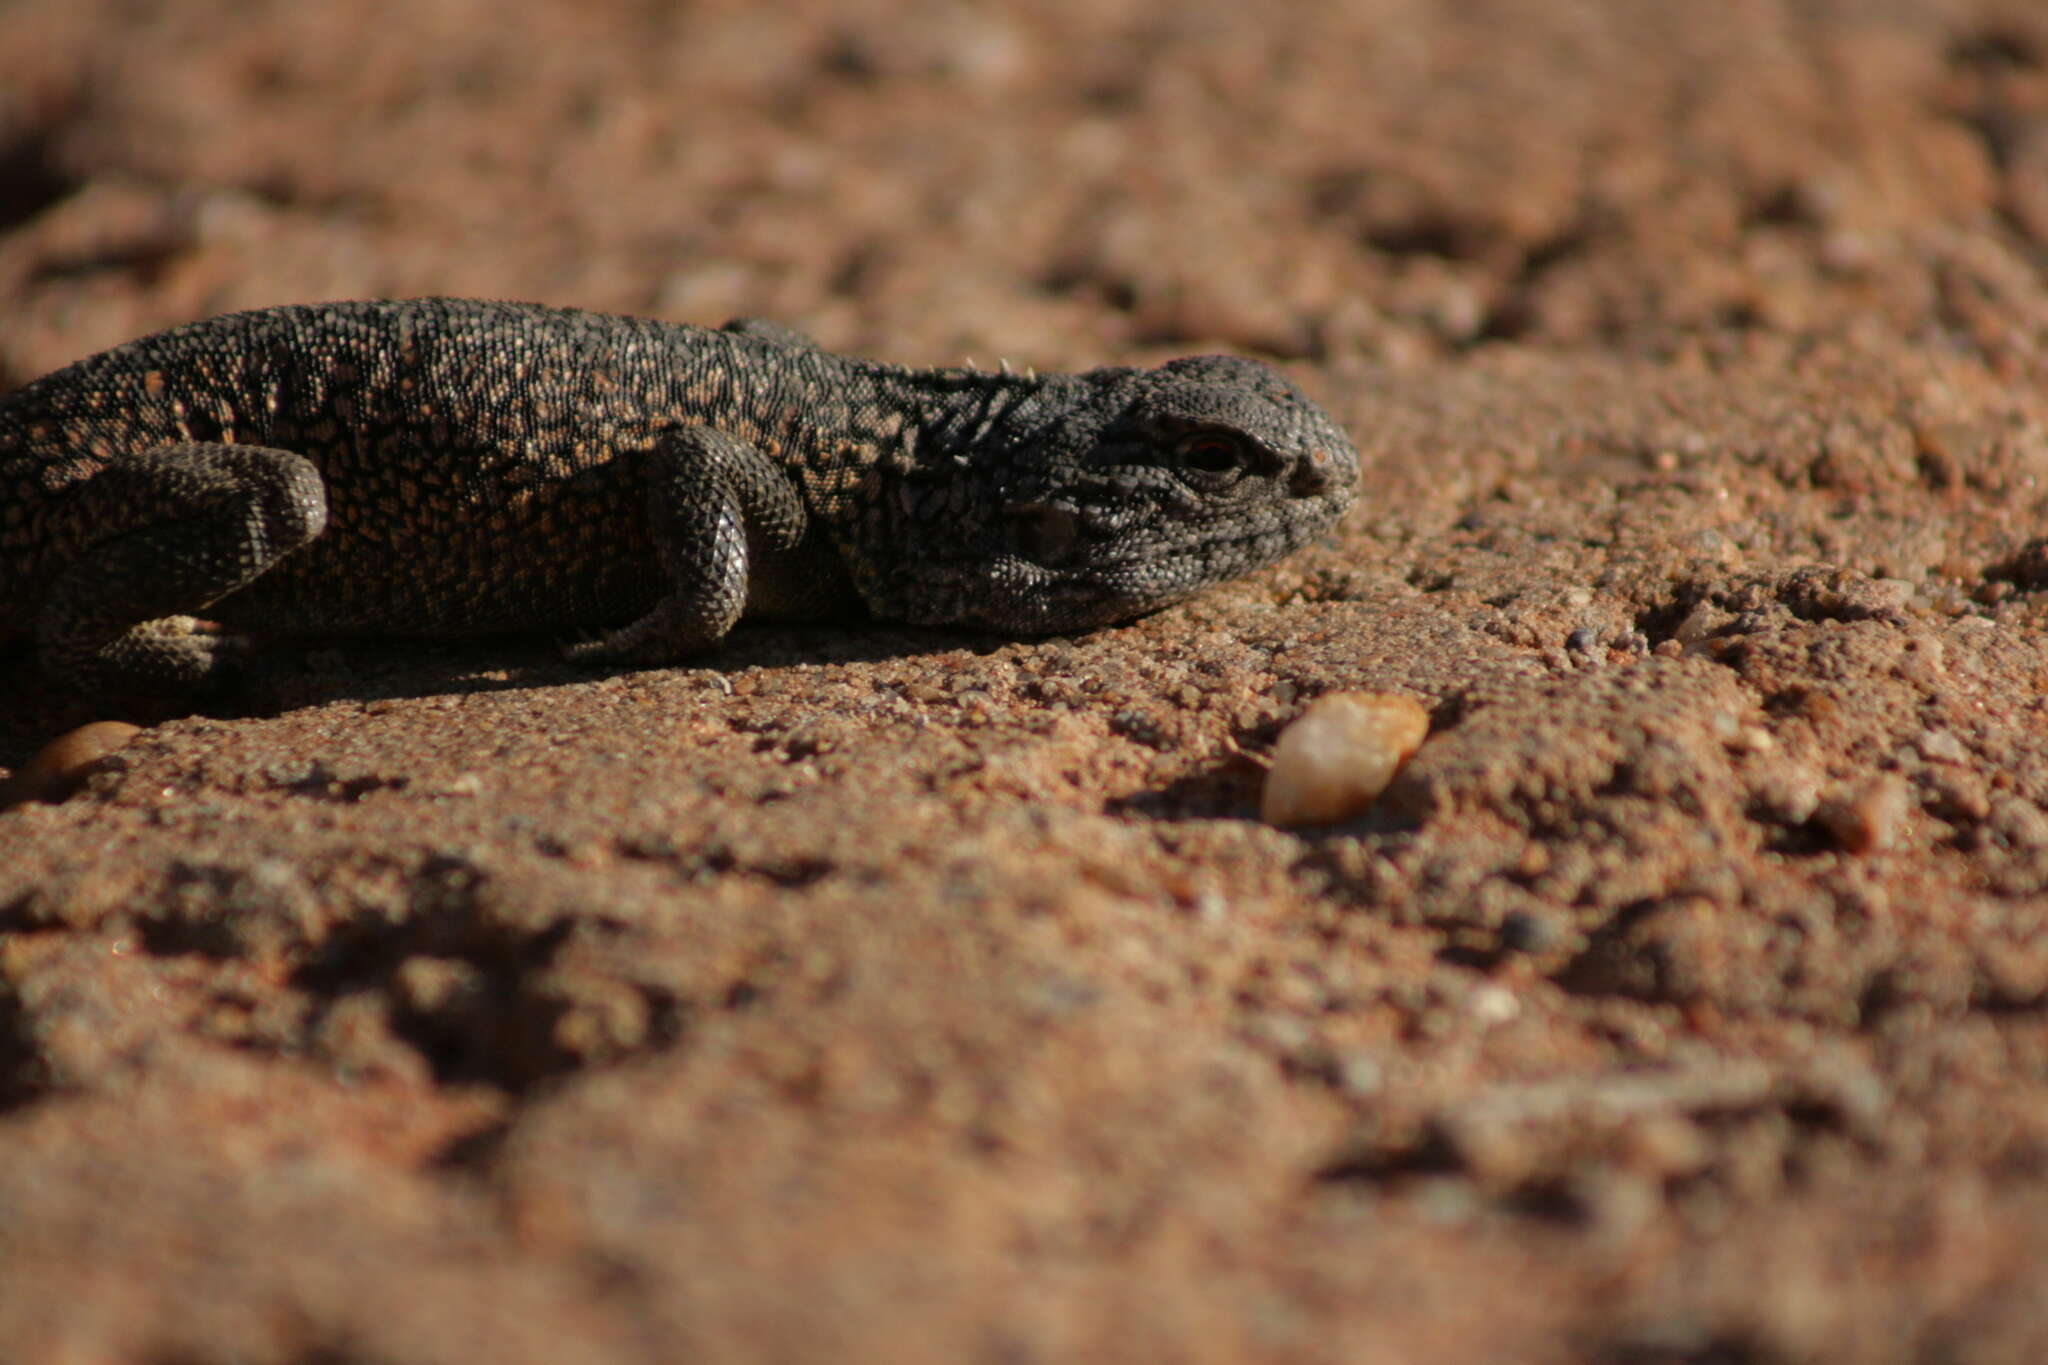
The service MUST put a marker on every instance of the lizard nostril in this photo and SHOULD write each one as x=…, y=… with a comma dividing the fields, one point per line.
x=1043, y=531
x=1310, y=475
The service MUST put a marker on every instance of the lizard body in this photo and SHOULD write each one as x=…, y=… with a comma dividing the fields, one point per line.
x=446, y=467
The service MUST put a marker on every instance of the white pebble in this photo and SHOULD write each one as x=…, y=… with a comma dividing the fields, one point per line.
x=1339, y=755
x=1491, y=1004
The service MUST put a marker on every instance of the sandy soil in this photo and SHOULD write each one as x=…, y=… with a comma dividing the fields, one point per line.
x=897, y=995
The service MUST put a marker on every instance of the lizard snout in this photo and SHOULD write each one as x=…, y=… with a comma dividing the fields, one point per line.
x=1314, y=473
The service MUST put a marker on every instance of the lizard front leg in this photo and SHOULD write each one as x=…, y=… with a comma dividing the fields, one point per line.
x=156, y=536
x=716, y=507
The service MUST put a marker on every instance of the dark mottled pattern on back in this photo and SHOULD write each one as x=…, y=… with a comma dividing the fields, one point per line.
x=490, y=467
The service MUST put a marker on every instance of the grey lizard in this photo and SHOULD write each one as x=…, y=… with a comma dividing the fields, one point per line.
x=447, y=467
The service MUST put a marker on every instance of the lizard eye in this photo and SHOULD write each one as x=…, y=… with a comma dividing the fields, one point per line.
x=1213, y=458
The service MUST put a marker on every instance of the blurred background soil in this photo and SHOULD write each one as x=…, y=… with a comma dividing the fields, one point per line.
x=894, y=995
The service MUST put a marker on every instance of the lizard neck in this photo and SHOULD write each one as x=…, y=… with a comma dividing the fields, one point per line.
x=909, y=473
x=829, y=414
x=956, y=416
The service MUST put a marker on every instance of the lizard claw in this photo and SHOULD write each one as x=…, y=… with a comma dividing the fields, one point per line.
x=581, y=647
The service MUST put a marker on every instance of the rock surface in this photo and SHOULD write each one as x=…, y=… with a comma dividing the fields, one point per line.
x=894, y=995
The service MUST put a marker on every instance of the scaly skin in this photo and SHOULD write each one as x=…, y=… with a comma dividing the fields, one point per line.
x=446, y=467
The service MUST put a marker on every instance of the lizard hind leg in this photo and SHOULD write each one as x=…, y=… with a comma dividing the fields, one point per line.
x=156, y=537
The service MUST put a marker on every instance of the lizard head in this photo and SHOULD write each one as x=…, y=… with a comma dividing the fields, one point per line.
x=1107, y=494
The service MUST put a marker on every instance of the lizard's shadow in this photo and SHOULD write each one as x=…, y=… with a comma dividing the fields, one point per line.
x=291, y=676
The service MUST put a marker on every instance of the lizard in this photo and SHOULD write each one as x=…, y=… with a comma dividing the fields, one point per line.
x=445, y=468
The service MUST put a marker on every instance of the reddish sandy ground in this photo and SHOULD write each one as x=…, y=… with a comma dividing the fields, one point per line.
x=893, y=995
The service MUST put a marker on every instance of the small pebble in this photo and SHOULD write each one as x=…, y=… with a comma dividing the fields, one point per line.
x=1871, y=818
x=1941, y=746
x=1339, y=755
x=1360, y=1074
x=1491, y=1004
x=1529, y=931
x=1751, y=739
x=61, y=767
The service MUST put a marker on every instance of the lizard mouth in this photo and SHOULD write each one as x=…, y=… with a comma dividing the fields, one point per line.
x=1065, y=562
x=1087, y=592
x=1058, y=539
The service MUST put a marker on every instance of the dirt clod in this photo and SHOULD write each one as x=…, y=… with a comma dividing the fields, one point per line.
x=60, y=768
